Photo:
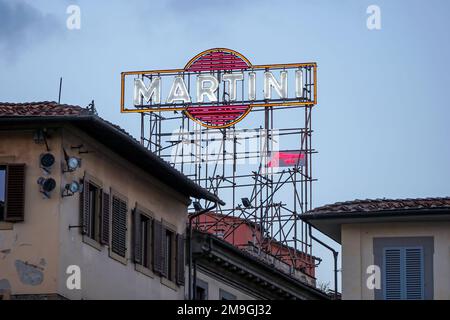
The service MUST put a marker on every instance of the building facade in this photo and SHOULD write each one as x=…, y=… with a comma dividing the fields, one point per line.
x=244, y=234
x=80, y=197
x=223, y=271
x=391, y=249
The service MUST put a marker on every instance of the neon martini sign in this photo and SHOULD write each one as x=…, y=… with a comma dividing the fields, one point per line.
x=219, y=87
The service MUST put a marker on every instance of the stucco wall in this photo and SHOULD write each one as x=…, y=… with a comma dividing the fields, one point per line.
x=357, y=254
x=43, y=243
x=102, y=276
x=29, y=249
x=214, y=286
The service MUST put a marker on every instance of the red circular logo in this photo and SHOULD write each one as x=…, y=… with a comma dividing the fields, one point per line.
x=220, y=60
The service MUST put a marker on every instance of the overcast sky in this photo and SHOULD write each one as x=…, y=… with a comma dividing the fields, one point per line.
x=382, y=122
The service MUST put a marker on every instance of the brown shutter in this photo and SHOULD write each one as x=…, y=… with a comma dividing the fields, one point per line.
x=180, y=259
x=157, y=247
x=15, y=192
x=84, y=207
x=137, y=245
x=106, y=211
x=119, y=226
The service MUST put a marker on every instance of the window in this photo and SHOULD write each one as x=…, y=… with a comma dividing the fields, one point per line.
x=95, y=212
x=142, y=229
x=403, y=273
x=145, y=240
x=201, y=290
x=169, y=254
x=2, y=192
x=406, y=265
x=12, y=192
x=223, y=295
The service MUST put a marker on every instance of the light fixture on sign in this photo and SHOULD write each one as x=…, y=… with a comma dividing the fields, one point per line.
x=46, y=161
x=72, y=163
x=246, y=202
x=71, y=188
x=47, y=185
x=197, y=206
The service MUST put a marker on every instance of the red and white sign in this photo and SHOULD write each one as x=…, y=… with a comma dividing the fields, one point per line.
x=218, y=87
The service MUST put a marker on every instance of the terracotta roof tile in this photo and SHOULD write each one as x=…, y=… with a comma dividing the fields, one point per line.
x=45, y=108
x=372, y=205
x=49, y=108
x=159, y=167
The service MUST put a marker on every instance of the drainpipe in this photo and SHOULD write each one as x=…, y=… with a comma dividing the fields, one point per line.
x=335, y=256
x=192, y=217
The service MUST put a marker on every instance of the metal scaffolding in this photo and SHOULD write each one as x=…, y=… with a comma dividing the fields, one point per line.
x=233, y=162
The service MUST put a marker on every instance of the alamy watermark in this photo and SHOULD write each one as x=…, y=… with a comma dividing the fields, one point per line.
x=73, y=281
x=373, y=281
x=73, y=21
x=236, y=147
x=373, y=21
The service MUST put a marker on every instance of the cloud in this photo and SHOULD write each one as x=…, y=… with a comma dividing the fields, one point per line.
x=22, y=26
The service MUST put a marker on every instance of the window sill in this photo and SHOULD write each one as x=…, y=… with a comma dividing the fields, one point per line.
x=91, y=242
x=169, y=284
x=115, y=256
x=6, y=225
x=144, y=270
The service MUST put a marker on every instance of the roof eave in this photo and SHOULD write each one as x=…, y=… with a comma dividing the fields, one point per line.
x=193, y=189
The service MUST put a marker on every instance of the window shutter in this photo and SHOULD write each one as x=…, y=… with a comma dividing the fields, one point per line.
x=106, y=211
x=392, y=274
x=414, y=273
x=157, y=246
x=403, y=273
x=15, y=192
x=119, y=226
x=137, y=247
x=165, y=262
x=84, y=206
x=180, y=259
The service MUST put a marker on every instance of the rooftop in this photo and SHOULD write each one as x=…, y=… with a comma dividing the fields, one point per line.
x=329, y=218
x=111, y=135
x=44, y=108
x=369, y=205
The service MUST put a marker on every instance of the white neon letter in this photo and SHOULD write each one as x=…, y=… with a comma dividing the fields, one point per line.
x=298, y=83
x=209, y=91
x=153, y=89
x=178, y=92
x=270, y=82
x=233, y=78
x=252, y=86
